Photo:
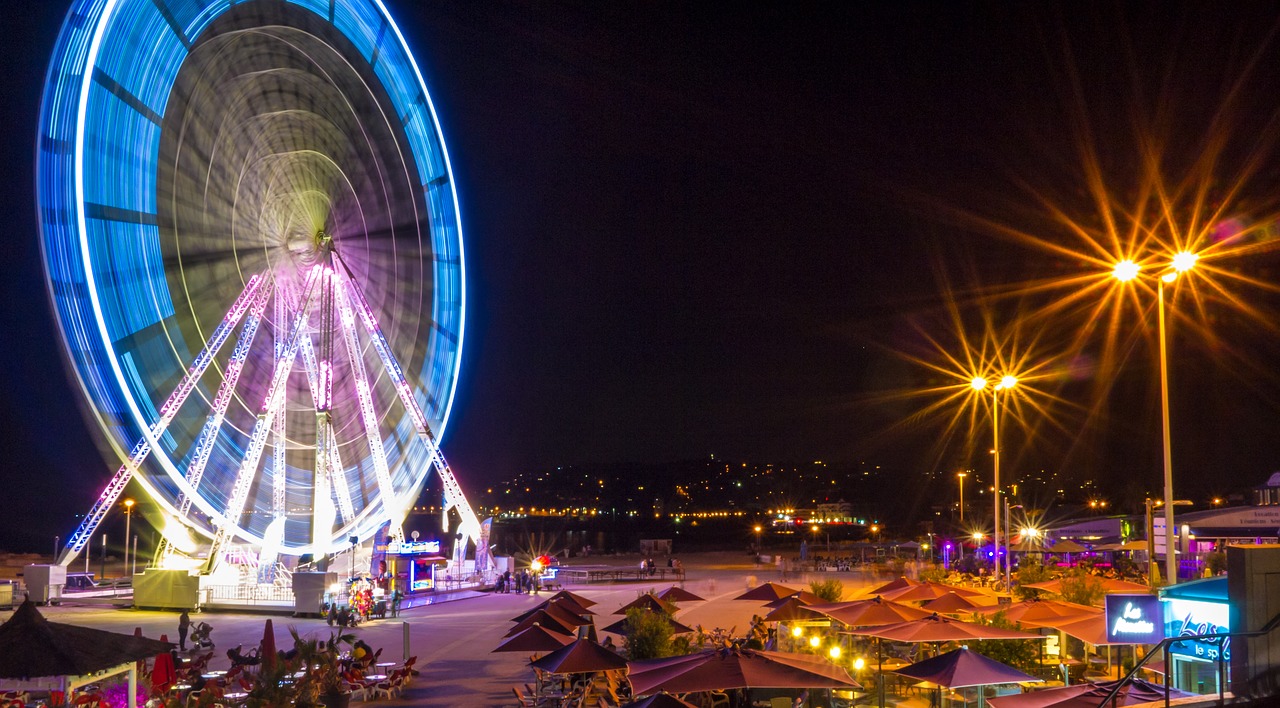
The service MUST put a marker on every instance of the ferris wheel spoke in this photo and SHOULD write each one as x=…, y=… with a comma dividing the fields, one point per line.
x=272, y=404
x=453, y=495
x=341, y=486
x=390, y=502
x=167, y=413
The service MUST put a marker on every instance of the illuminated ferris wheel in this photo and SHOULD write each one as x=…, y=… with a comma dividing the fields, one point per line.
x=252, y=244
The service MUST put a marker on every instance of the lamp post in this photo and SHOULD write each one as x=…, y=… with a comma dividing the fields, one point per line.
x=128, y=517
x=1008, y=560
x=758, y=529
x=961, y=476
x=1151, y=536
x=980, y=384
x=1125, y=271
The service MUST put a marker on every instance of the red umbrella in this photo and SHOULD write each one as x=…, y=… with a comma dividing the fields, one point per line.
x=582, y=601
x=544, y=619
x=767, y=592
x=268, y=650
x=804, y=597
x=561, y=612
x=1087, y=695
x=724, y=669
x=870, y=613
x=1110, y=586
x=620, y=627
x=936, y=628
x=675, y=594
x=927, y=591
x=1040, y=611
x=581, y=657
x=648, y=601
x=963, y=667
x=793, y=609
x=535, y=638
x=950, y=603
x=898, y=584
x=163, y=674
x=1087, y=628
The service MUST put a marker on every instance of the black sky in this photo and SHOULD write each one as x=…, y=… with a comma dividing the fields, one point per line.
x=696, y=228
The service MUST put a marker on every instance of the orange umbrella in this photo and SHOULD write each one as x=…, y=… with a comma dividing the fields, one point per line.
x=950, y=603
x=1039, y=610
x=1087, y=628
x=898, y=584
x=804, y=597
x=874, y=612
x=1111, y=586
x=793, y=609
x=767, y=592
x=936, y=628
x=927, y=591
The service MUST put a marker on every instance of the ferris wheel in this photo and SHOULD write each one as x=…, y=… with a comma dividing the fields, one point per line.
x=252, y=244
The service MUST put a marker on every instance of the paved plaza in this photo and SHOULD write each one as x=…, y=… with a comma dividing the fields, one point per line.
x=453, y=640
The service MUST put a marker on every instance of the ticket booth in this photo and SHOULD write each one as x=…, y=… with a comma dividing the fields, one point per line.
x=412, y=565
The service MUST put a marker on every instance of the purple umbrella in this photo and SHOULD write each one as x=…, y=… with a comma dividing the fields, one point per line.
x=962, y=667
x=1087, y=695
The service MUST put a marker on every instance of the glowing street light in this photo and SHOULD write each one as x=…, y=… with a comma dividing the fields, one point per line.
x=979, y=384
x=128, y=516
x=1181, y=263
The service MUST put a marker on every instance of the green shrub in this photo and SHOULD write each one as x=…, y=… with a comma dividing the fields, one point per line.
x=1030, y=571
x=829, y=590
x=649, y=635
x=1082, y=589
x=934, y=574
x=1018, y=653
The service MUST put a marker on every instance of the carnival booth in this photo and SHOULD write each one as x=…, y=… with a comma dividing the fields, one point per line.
x=412, y=566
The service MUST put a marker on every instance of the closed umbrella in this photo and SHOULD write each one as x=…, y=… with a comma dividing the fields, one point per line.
x=767, y=593
x=1088, y=695
x=583, y=656
x=675, y=594
x=535, y=638
x=268, y=650
x=163, y=674
x=727, y=669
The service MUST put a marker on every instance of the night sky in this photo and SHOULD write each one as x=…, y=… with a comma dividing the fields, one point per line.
x=739, y=230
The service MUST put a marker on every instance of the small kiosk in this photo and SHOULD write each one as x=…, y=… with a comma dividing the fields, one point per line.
x=412, y=565
x=1197, y=607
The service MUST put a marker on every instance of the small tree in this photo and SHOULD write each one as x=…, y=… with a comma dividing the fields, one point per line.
x=1216, y=562
x=829, y=590
x=1082, y=589
x=1018, y=653
x=1030, y=570
x=648, y=635
x=934, y=574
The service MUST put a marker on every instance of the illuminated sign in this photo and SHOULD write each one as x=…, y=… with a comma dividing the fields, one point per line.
x=1192, y=617
x=405, y=548
x=1134, y=619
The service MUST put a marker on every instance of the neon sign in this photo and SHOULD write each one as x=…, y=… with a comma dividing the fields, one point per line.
x=405, y=548
x=1135, y=619
x=1188, y=618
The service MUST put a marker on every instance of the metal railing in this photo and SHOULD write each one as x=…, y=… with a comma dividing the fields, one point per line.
x=1165, y=647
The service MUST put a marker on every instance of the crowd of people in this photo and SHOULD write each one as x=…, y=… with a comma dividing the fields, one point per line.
x=521, y=582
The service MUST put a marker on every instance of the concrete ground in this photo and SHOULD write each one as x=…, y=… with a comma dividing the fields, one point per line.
x=453, y=640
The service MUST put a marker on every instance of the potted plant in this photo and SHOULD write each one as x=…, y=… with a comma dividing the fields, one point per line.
x=322, y=683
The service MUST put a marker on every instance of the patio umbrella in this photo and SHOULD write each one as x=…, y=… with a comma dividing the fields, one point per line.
x=583, y=656
x=898, y=584
x=949, y=604
x=675, y=594
x=793, y=609
x=1087, y=628
x=922, y=592
x=556, y=609
x=725, y=669
x=268, y=650
x=620, y=627
x=648, y=601
x=1029, y=546
x=659, y=700
x=1110, y=586
x=1087, y=695
x=1037, y=610
x=936, y=628
x=535, y=638
x=575, y=597
x=767, y=593
x=962, y=667
x=163, y=674
x=546, y=620
x=804, y=597
x=563, y=603
x=873, y=612
x=1068, y=546
x=32, y=647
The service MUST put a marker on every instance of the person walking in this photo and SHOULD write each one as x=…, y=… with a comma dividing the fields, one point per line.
x=184, y=624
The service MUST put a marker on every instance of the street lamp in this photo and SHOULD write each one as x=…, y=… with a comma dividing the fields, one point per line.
x=1125, y=271
x=1151, y=536
x=980, y=384
x=961, y=476
x=1008, y=559
x=128, y=516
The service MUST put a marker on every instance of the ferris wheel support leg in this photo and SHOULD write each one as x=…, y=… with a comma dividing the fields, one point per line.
x=120, y=480
x=280, y=444
x=453, y=494
x=258, y=438
x=364, y=394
